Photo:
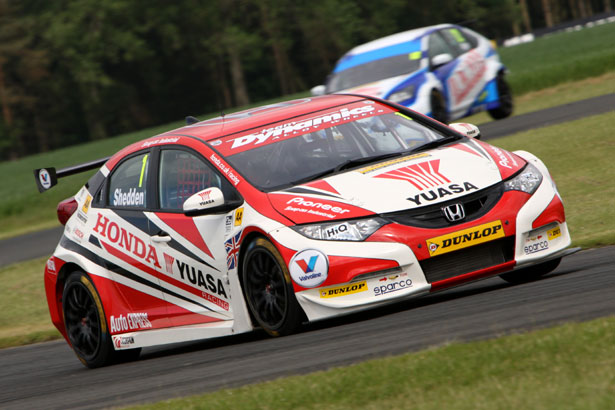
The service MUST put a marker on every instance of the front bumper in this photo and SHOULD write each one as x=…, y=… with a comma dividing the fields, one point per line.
x=399, y=262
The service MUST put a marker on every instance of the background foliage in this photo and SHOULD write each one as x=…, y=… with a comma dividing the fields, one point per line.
x=79, y=70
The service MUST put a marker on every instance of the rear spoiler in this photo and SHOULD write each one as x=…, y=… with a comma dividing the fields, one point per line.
x=48, y=177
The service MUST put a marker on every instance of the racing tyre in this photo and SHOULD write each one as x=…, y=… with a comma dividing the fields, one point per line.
x=506, y=100
x=438, y=107
x=268, y=289
x=531, y=273
x=85, y=322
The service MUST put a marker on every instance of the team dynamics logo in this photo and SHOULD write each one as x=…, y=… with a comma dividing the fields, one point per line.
x=423, y=175
x=309, y=268
x=232, y=247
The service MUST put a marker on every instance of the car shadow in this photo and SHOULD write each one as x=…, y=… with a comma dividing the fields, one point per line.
x=463, y=291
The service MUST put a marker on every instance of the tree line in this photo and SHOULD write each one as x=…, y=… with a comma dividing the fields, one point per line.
x=79, y=70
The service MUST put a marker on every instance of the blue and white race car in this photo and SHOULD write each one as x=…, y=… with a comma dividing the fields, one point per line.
x=444, y=71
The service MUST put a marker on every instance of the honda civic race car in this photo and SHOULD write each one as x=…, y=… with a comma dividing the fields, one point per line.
x=444, y=71
x=285, y=214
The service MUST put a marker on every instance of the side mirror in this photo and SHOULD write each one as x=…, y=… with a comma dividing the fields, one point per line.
x=208, y=201
x=469, y=130
x=318, y=90
x=440, y=60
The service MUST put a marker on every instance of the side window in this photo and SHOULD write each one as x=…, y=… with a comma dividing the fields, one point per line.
x=470, y=37
x=127, y=184
x=183, y=174
x=437, y=46
x=455, y=37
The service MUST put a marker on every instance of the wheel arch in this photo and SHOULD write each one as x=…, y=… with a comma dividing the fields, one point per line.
x=66, y=270
x=249, y=239
x=243, y=249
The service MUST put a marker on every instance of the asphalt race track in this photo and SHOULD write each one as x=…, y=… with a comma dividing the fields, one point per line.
x=39, y=244
x=49, y=376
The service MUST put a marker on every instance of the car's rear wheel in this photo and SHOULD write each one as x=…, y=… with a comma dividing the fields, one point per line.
x=438, y=107
x=85, y=321
x=86, y=325
x=530, y=273
x=268, y=289
x=506, y=99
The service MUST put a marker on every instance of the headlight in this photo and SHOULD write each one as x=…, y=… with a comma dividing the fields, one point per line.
x=402, y=95
x=527, y=180
x=357, y=230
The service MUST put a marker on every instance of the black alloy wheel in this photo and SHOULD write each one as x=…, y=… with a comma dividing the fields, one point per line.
x=438, y=107
x=506, y=99
x=268, y=289
x=531, y=273
x=85, y=321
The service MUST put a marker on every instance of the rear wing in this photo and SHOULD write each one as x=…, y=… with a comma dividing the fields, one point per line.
x=46, y=178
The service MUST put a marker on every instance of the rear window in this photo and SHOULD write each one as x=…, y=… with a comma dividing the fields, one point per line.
x=128, y=183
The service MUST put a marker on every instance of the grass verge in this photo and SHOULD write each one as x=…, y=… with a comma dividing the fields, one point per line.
x=559, y=58
x=24, y=317
x=567, y=367
x=578, y=155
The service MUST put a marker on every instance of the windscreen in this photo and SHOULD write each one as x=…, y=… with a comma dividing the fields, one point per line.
x=297, y=152
x=372, y=71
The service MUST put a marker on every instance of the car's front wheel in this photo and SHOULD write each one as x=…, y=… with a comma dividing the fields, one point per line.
x=268, y=289
x=530, y=273
x=506, y=99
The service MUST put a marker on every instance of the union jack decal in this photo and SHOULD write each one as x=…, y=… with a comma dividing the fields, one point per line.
x=231, y=246
x=423, y=175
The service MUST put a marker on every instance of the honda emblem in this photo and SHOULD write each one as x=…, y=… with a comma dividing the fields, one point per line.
x=454, y=212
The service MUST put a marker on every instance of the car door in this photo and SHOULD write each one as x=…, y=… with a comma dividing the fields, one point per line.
x=463, y=78
x=120, y=237
x=194, y=272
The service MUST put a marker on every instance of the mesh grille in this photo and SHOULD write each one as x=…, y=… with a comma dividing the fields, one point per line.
x=475, y=206
x=468, y=260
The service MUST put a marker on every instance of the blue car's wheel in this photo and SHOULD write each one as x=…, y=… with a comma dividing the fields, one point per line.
x=438, y=107
x=506, y=100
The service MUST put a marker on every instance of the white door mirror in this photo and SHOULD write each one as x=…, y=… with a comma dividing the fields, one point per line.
x=469, y=130
x=204, y=200
x=440, y=60
x=318, y=90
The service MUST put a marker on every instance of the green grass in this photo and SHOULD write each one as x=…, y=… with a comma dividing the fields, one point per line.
x=24, y=317
x=566, y=367
x=578, y=155
x=559, y=58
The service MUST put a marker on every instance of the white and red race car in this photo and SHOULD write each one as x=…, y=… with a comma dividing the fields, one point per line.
x=293, y=212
